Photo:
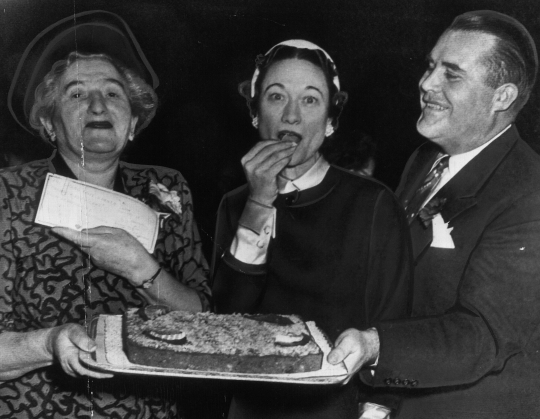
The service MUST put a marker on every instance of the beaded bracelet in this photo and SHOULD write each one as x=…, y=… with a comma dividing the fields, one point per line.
x=147, y=283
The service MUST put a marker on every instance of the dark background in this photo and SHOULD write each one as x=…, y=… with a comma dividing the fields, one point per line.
x=202, y=49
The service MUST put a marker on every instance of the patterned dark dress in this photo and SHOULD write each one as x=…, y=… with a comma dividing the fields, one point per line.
x=46, y=281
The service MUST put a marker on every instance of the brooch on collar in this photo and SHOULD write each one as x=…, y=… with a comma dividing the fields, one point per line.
x=168, y=200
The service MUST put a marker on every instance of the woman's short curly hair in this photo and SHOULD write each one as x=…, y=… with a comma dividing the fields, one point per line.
x=284, y=52
x=142, y=98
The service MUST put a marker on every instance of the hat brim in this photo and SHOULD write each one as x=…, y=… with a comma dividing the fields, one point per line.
x=92, y=32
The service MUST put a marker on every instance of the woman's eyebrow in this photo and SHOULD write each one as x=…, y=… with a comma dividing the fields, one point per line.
x=283, y=87
x=115, y=81
x=273, y=84
x=315, y=88
x=79, y=82
x=71, y=84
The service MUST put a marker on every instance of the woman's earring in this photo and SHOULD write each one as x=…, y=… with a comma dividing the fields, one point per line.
x=52, y=136
x=329, y=129
x=131, y=137
x=255, y=122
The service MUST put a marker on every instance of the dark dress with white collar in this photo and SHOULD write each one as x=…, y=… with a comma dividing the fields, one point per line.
x=340, y=258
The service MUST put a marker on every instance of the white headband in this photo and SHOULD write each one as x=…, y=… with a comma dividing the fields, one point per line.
x=300, y=44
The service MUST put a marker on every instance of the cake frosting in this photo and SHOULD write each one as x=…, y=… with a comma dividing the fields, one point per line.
x=257, y=344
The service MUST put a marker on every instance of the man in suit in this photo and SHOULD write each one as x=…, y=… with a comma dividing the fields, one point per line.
x=472, y=197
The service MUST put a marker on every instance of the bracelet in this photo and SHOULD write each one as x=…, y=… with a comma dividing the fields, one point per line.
x=147, y=283
x=259, y=204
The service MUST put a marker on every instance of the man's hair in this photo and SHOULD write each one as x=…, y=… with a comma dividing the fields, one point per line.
x=141, y=96
x=513, y=58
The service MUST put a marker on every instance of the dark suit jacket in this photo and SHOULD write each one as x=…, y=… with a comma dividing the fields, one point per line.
x=472, y=348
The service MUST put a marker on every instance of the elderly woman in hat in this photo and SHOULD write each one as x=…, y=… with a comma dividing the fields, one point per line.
x=304, y=237
x=89, y=105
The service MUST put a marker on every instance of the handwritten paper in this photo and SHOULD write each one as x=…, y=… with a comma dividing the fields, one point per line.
x=78, y=205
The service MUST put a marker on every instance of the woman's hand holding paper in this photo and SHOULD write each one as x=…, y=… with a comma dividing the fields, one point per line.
x=115, y=251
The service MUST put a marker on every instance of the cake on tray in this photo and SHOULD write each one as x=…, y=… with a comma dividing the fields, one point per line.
x=255, y=344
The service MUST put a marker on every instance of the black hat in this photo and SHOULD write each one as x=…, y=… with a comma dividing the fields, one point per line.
x=92, y=32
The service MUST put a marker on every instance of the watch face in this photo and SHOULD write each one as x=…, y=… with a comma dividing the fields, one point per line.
x=147, y=283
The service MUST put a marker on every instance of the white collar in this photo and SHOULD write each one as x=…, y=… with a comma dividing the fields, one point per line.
x=311, y=178
x=458, y=161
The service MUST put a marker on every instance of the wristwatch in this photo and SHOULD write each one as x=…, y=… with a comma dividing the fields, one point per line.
x=147, y=283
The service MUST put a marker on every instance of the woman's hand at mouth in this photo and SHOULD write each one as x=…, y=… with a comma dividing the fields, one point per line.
x=262, y=164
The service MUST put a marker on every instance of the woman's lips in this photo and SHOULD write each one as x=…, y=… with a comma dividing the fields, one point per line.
x=289, y=136
x=99, y=125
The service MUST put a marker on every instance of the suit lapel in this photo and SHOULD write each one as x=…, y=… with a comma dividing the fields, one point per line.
x=414, y=174
x=421, y=238
x=460, y=192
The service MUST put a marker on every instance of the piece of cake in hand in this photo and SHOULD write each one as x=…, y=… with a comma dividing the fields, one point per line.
x=255, y=344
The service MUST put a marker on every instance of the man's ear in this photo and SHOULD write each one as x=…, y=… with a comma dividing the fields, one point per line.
x=504, y=97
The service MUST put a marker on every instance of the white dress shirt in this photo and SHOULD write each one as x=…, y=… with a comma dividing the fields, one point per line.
x=458, y=162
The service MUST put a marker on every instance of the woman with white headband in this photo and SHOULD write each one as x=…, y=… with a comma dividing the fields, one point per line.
x=304, y=237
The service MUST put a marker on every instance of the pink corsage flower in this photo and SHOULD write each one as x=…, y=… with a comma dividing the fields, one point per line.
x=169, y=199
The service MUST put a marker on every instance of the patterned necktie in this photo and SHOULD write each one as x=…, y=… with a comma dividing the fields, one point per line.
x=428, y=186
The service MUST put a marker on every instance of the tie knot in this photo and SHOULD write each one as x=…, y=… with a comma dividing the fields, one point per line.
x=426, y=188
x=442, y=164
x=436, y=172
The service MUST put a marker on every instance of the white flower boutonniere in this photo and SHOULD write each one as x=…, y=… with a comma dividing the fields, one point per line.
x=169, y=199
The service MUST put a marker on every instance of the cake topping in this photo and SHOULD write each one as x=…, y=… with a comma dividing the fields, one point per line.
x=176, y=338
x=290, y=339
x=152, y=312
x=222, y=343
x=270, y=318
x=210, y=333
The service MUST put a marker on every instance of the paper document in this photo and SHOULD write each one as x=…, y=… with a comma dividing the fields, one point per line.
x=78, y=205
